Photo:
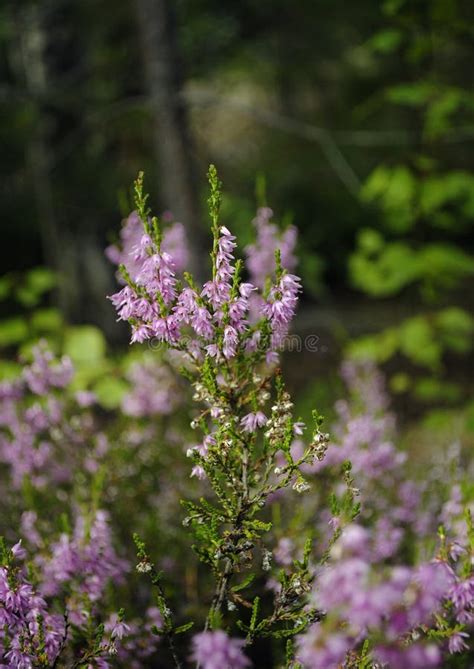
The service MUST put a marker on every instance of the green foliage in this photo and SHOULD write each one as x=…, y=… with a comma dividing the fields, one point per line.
x=422, y=340
x=110, y=391
x=395, y=189
x=425, y=207
x=28, y=293
x=85, y=345
x=13, y=331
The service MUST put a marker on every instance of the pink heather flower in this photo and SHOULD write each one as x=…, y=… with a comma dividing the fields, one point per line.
x=201, y=321
x=117, y=628
x=155, y=277
x=84, y=563
x=141, y=333
x=237, y=310
x=130, y=235
x=18, y=551
x=154, y=618
x=215, y=650
x=174, y=242
x=284, y=552
x=153, y=389
x=315, y=650
x=280, y=307
x=298, y=428
x=202, y=449
x=45, y=372
x=246, y=289
x=213, y=351
x=252, y=344
x=224, y=258
x=252, y=421
x=218, y=290
x=229, y=347
x=20, y=607
x=260, y=256
x=198, y=472
x=457, y=643
x=185, y=305
x=462, y=593
x=416, y=656
x=456, y=550
x=85, y=398
x=354, y=540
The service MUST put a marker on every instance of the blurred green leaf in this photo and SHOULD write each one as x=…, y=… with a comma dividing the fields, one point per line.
x=370, y=241
x=437, y=191
x=47, y=320
x=311, y=267
x=456, y=328
x=430, y=389
x=395, y=267
x=392, y=7
x=470, y=417
x=395, y=190
x=85, y=344
x=379, y=347
x=400, y=383
x=385, y=41
x=413, y=94
x=110, y=391
x=9, y=369
x=5, y=287
x=34, y=285
x=438, y=114
x=444, y=265
x=13, y=331
x=419, y=343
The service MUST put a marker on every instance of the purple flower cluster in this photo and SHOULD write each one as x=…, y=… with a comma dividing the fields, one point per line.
x=153, y=389
x=71, y=580
x=360, y=597
x=280, y=307
x=366, y=590
x=218, y=314
x=41, y=434
x=82, y=564
x=365, y=432
x=28, y=631
x=134, y=642
x=215, y=650
x=46, y=373
x=260, y=255
x=174, y=242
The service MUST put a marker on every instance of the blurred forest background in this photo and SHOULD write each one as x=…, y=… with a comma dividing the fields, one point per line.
x=353, y=121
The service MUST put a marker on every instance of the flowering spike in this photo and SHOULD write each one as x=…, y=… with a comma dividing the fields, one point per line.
x=140, y=199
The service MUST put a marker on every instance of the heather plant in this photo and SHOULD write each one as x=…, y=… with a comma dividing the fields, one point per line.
x=245, y=417
x=352, y=599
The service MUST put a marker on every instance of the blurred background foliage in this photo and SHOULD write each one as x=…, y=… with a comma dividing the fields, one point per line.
x=354, y=121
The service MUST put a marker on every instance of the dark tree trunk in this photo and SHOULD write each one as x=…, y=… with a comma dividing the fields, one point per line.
x=32, y=69
x=174, y=154
x=84, y=276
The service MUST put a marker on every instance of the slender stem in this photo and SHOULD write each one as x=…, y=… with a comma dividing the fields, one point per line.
x=228, y=572
x=172, y=647
x=168, y=625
